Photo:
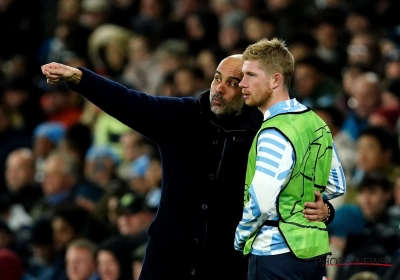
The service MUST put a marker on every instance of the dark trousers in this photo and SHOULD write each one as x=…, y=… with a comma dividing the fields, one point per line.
x=284, y=267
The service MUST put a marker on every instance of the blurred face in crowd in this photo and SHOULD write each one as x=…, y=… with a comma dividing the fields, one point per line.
x=42, y=147
x=56, y=177
x=20, y=169
x=366, y=94
x=225, y=94
x=373, y=201
x=99, y=169
x=306, y=79
x=359, y=50
x=207, y=61
x=132, y=223
x=43, y=252
x=131, y=149
x=107, y=266
x=370, y=156
x=80, y=263
x=326, y=35
x=256, y=29
x=63, y=233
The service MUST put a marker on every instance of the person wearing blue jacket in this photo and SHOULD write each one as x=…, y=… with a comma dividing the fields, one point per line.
x=203, y=143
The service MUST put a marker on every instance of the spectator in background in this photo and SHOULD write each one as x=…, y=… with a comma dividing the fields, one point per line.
x=80, y=259
x=68, y=36
x=374, y=195
x=207, y=60
x=392, y=65
x=258, y=25
x=46, y=138
x=378, y=151
x=359, y=19
x=61, y=105
x=134, y=216
x=362, y=230
x=188, y=81
x=108, y=50
x=364, y=51
x=107, y=130
x=329, y=46
x=20, y=178
x=100, y=167
x=10, y=139
x=70, y=223
x=301, y=45
x=142, y=64
x=22, y=98
x=202, y=28
x=152, y=18
x=76, y=142
x=59, y=184
x=94, y=13
x=42, y=262
x=145, y=175
x=172, y=54
x=114, y=258
x=133, y=146
x=16, y=226
x=366, y=97
x=312, y=84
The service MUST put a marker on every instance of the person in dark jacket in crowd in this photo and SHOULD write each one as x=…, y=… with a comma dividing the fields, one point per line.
x=203, y=143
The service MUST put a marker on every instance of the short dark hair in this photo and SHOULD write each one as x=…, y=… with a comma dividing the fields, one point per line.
x=374, y=180
x=334, y=113
x=387, y=140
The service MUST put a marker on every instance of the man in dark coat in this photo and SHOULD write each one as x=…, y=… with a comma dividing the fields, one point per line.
x=203, y=144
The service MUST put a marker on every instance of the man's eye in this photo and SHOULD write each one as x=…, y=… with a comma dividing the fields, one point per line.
x=233, y=84
x=218, y=79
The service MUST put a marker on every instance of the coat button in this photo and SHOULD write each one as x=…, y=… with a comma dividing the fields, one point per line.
x=193, y=272
x=215, y=142
x=204, y=206
x=196, y=240
x=211, y=176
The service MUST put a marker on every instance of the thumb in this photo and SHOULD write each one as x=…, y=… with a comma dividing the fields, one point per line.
x=318, y=196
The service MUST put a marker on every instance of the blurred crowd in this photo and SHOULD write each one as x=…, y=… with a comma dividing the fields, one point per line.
x=78, y=189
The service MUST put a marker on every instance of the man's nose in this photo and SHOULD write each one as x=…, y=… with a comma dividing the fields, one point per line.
x=220, y=88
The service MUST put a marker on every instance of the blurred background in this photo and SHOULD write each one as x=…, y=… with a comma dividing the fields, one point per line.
x=78, y=189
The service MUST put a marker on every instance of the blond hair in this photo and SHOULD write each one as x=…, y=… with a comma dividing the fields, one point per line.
x=274, y=56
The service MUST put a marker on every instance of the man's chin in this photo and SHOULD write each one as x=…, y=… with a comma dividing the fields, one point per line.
x=248, y=102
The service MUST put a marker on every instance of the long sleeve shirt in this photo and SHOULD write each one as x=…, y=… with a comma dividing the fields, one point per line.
x=274, y=164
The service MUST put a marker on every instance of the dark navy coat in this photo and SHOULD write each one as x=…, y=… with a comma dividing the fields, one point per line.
x=204, y=163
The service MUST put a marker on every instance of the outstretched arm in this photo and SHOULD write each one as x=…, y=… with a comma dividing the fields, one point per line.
x=159, y=118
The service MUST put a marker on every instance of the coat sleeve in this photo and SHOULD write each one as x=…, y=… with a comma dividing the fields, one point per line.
x=156, y=117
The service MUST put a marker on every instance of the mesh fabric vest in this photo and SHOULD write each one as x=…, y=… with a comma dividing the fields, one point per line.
x=311, y=140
